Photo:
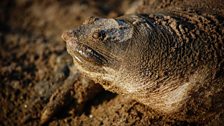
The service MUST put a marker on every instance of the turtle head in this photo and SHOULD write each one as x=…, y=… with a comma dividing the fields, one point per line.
x=101, y=48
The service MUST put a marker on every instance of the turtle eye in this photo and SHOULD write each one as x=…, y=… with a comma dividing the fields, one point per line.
x=99, y=35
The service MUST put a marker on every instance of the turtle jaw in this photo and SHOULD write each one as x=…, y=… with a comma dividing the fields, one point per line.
x=83, y=55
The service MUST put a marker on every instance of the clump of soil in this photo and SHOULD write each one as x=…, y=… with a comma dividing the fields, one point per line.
x=34, y=63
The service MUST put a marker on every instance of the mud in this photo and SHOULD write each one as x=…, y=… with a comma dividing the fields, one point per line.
x=34, y=63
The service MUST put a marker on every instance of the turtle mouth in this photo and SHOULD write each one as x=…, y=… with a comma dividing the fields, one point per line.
x=84, y=53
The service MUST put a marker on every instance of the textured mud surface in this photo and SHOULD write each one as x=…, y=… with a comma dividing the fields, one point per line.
x=34, y=63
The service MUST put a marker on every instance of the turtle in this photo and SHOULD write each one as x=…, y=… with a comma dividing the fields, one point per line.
x=167, y=55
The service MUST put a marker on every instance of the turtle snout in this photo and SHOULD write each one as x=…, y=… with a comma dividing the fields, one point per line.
x=67, y=35
x=90, y=20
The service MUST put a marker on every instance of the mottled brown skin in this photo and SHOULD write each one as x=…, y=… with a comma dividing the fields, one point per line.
x=171, y=60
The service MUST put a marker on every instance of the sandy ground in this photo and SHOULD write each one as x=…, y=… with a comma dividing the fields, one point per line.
x=34, y=63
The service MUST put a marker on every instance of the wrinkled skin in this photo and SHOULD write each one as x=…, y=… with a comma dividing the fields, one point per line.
x=152, y=60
